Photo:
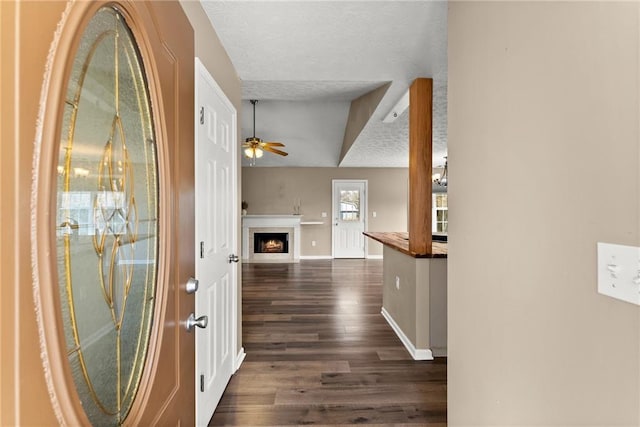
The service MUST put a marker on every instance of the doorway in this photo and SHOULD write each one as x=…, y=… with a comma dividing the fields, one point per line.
x=349, y=206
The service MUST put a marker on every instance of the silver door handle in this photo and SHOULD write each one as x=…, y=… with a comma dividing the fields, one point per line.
x=233, y=258
x=200, y=322
x=192, y=285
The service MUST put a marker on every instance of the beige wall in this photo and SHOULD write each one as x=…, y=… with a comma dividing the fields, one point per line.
x=212, y=54
x=437, y=306
x=273, y=191
x=542, y=98
x=401, y=303
x=418, y=305
x=215, y=59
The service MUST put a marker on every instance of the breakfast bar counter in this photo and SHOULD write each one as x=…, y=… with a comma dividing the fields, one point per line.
x=414, y=294
x=399, y=241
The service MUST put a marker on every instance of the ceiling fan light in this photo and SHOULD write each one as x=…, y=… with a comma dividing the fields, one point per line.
x=258, y=152
x=248, y=152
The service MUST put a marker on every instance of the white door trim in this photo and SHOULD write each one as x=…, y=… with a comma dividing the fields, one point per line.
x=364, y=211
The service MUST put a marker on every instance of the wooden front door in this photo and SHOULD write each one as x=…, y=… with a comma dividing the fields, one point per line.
x=70, y=205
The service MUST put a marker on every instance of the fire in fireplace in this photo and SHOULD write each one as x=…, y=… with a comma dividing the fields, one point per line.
x=271, y=243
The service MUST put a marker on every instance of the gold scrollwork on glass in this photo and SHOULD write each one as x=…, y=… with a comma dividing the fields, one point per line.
x=107, y=234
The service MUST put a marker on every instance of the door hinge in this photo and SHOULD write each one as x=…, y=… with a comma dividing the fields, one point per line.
x=202, y=383
x=201, y=115
x=201, y=249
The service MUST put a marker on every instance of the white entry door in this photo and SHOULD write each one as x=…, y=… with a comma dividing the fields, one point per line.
x=349, y=218
x=216, y=241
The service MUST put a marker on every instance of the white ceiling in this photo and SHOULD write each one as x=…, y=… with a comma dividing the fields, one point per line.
x=305, y=61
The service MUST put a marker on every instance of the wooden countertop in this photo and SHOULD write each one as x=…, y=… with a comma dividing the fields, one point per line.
x=400, y=242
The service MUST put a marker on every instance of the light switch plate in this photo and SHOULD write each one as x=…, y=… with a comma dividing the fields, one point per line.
x=619, y=272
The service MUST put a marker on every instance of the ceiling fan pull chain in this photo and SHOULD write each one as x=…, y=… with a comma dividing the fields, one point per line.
x=253, y=102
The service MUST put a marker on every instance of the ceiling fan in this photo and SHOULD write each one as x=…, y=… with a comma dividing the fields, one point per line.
x=254, y=147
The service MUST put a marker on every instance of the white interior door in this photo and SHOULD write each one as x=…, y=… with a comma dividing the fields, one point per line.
x=349, y=218
x=216, y=225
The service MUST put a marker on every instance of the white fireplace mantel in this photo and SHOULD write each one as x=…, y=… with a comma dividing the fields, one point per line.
x=272, y=223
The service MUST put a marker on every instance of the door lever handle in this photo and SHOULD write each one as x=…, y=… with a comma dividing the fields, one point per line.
x=200, y=322
x=233, y=258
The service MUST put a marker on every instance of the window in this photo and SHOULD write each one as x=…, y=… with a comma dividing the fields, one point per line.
x=350, y=205
x=439, y=213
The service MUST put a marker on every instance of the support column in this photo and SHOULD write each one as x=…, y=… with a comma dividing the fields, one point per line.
x=420, y=167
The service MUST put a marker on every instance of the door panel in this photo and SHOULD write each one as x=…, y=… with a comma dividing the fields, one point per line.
x=24, y=49
x=216, y=154
x=349, y=218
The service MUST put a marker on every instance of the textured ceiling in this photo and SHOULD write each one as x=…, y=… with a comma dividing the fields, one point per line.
x=306, y=90
x=307, y=60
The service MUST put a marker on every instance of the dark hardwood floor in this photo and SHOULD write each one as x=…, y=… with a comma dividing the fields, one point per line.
x=319, y=352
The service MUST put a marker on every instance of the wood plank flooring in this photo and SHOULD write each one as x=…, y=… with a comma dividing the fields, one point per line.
x=320, y=353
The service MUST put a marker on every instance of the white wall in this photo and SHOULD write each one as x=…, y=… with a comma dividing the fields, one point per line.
x=544, y=162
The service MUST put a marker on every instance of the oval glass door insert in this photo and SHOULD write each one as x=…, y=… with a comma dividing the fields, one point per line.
x=107, y=218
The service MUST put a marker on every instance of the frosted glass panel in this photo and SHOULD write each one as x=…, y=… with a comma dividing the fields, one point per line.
x=107, y=219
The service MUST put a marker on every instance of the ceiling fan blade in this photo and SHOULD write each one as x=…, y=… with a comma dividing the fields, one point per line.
x=274, y=150
x=273, y=144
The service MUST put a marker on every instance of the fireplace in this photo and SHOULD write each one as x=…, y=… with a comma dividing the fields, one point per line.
x=270, y=243
x=271, y=238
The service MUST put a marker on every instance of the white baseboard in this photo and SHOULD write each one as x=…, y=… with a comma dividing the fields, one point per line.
x=330, y=257
x=239, y=359
x=416, y=353
x=439, y=351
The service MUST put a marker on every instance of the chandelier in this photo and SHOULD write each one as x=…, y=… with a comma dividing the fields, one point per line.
x=439, y=179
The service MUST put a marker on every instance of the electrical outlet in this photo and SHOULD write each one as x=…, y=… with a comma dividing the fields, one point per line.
x=324, y=214
x=397, y=283
x=313, y=243
x=374, y=214
x=619, y=272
